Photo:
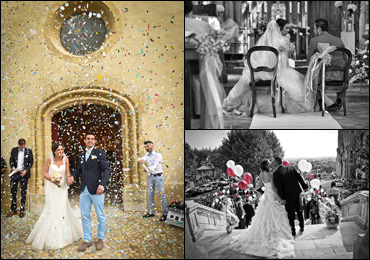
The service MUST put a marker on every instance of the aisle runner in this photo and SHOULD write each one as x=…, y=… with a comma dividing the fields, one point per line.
x=294, y=121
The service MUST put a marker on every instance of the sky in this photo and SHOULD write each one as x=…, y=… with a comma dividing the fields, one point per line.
x=296, y=143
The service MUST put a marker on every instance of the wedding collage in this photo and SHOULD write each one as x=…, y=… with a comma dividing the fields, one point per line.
x=276, y=129
x=184, y=129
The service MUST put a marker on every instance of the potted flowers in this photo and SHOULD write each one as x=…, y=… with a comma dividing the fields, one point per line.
x=329, y=212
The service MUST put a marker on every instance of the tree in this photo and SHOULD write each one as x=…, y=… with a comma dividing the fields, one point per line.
x=190, y=161
x=249, y=147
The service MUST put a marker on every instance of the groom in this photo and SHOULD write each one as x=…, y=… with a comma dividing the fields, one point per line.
x=286, y=180
x=95, y=174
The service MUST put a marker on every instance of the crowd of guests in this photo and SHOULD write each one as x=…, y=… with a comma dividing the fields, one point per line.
x=243, y=208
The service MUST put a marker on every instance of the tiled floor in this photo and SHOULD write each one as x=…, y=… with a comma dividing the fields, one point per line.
x=357, y=118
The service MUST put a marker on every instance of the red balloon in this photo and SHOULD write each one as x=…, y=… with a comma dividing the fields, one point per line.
x=311, y=176
x=243, y=184
x=201, y=198
x=230, y=172
x=317, y=191
x=236, y=195
x=286, y=163
x=220, y=193
x=247, y=177
x=247, y=196
x=234, y=185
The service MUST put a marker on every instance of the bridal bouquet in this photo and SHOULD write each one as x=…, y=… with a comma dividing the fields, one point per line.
x=56, y=177
x=213, y=42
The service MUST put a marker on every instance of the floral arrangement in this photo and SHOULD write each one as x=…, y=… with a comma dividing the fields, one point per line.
x=351, y=8
x=213, y=42
x=56, y=177
x=329, y=211
x=261, y=27
x=359, y=70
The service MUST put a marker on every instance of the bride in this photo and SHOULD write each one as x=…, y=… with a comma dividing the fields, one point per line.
x=270, y=233
x=57, y=226
x=295, y=98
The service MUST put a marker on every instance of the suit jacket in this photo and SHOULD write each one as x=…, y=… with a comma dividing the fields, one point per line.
x=286, y=181
x=338, y=59
x=249, y=212
x=239, y=210
x=27, y=161
x=94, y=172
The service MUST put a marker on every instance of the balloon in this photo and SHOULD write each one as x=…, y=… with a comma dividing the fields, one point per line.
x=247, y=196
x=250, y=199
x=247, y=177
x=322, y=190
x=234, y=185
x=302, y=165
x=230, y=164
x=250, y=186
x=311, y=190
x=228, y=191
x=309, y=198
x=263, y=188
x=309, y=167
x=223, y=191
x=243, y=185
x=315, y=183
x=220, y=193
x=201, y=198
x=230, y=172
x=285, y=163
x=311, y=176
x=316, y=191
x=216, y=200
x=238, y=170
x=236, y=195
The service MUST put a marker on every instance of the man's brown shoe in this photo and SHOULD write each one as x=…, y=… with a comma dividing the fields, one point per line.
x=12, y=213
x=21, y=214
x=84, y=246
x=100, y=244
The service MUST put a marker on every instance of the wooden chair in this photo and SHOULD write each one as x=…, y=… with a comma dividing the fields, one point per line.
x=340, y=84
x=265, y=85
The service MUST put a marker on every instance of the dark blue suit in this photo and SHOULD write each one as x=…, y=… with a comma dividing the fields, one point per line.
x=94, y=172
x=27, y=164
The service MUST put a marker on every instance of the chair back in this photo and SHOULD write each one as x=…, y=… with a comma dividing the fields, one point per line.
x=261, y=68
x=347, y=56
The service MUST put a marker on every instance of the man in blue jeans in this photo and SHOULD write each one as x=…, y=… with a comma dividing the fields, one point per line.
x=155, y=179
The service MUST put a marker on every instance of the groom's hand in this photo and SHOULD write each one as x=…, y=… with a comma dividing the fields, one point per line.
x=71, y=180
x=100, y=190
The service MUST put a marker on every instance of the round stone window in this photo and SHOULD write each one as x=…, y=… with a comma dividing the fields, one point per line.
x=83, y=34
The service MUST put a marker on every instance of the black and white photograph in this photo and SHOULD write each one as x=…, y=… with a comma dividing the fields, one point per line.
x=252, y=194
x=276, y=65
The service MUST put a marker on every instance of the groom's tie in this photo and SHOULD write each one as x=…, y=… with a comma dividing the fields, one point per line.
x=87, y=155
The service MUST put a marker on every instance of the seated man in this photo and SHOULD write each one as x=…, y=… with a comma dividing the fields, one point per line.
x=322, y=36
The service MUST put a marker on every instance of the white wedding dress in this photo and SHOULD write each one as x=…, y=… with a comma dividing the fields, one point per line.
x=296, y=97
x=57, y=226
x=270, y=233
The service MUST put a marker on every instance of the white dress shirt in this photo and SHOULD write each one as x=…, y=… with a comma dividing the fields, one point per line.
x=20, y=159
x=155, y=161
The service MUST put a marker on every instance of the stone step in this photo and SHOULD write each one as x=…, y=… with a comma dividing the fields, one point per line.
x=316, y=242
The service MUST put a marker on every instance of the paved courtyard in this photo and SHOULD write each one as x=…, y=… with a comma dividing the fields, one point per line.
x=127, y=236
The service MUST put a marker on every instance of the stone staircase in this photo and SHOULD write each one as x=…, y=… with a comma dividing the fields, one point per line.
x=316, y=242
x=357, y=92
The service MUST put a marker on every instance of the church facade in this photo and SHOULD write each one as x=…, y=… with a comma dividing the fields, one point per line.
x=113, y=68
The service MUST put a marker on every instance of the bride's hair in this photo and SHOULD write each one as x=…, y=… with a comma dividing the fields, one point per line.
x=55, y=146
x=281, y=23
x=265, y=165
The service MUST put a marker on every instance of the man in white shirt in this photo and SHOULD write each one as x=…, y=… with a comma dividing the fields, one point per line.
x=155, y=179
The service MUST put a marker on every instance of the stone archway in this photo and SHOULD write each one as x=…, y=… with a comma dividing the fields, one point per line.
x=42, y=135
